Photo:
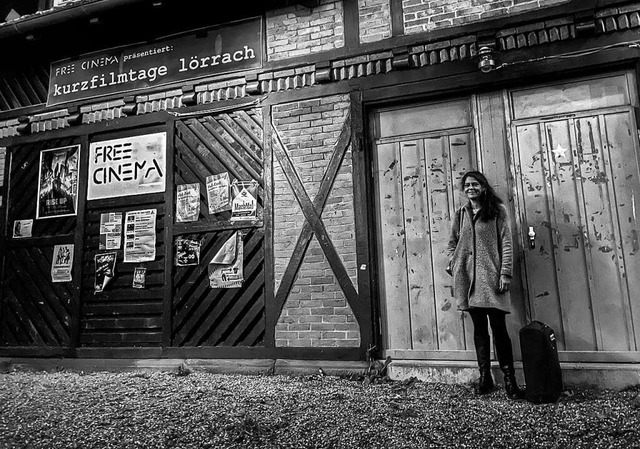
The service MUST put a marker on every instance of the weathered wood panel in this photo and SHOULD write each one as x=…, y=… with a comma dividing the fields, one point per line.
x=622, y=147
x=577, y=276
x=122, y=315
x=23, y=189
x=392, y=262
x=417, y=218
x=202, y=316
x=36, y=311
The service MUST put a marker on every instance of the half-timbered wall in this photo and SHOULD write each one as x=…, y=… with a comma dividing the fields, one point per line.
x=314, y=136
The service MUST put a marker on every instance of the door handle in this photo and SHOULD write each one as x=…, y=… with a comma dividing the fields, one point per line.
x=532, y=238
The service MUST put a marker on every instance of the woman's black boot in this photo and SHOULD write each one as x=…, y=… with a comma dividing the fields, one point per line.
x=485, y=384
x=510, y=384
x=483, y=353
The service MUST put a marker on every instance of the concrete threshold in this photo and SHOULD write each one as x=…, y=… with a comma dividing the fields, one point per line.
x=613, y=376
x=217, y=366
x=586, y=375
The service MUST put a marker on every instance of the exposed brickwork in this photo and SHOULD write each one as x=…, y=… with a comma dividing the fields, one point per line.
x=425, y=15
x=375, y=20
x=298, y=31
x=316, y=313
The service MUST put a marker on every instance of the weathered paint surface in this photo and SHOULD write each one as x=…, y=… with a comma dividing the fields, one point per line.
x=574, y=198
x=416, y=195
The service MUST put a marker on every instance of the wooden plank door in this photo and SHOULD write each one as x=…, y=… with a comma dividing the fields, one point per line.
x=416, y=182
x=577, y=183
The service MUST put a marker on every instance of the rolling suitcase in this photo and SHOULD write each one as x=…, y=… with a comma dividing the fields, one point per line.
x=540, y=362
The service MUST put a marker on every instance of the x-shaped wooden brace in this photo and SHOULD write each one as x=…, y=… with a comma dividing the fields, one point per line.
x=313, y=224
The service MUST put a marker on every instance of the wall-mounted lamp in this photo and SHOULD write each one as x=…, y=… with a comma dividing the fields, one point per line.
x=487, y=63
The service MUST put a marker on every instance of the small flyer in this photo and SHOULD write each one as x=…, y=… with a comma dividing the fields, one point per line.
x=22, y=228
x=218, y=193
x=111, y=230
x=140, y=236
x=187, y=252
x=105, y=270
x=188, y=202
x=139, y=277
x=245, y=203
x=62, y=263
x=226, y=268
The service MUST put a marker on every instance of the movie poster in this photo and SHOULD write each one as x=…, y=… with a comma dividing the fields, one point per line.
x=226, y=267
x=111, y=230
x=140, y=236
x=58, y=182
x=245, y=200
x=188, y=203
x=105, y=270
x=218, y=193
x=187, y=252
x=62, y=263
x=139, y=277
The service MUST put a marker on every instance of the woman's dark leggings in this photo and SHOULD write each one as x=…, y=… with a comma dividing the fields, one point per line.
x=500, y=336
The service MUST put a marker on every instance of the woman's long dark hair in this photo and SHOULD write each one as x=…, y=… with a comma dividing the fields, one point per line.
x=490, y=201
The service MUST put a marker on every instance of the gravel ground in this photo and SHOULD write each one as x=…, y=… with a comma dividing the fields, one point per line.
x=200, y=410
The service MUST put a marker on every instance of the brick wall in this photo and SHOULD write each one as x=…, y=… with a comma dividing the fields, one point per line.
x=316, y=313
x=425, y=15
x=375, y=20
x=298, y=31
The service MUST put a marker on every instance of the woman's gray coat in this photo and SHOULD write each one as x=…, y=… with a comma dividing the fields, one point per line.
x=479, y=252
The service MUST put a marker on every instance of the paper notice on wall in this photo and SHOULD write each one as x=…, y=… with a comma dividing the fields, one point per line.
x=188, y=202
x=62, y=263
x=140, y=236
x=111, y=230
x=22, y=229
x=139, y=277
x=105, y=270
x=245, y=200
x=225, y=269
x=187, y=252
x=218, y=193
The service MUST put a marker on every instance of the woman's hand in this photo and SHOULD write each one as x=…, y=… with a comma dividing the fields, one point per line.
x=505, y=283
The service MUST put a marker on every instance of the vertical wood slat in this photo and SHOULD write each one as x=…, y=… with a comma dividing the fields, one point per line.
x=392, y=260
x=610, y=297
x=272, y=312
x=360, y=169
x=541, y=269
x=620, y=145
x=83, y=160
x=417, y=245
x=565, y=203
x=170, y=207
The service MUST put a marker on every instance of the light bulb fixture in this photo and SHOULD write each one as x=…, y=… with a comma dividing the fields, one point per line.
x=487, y=63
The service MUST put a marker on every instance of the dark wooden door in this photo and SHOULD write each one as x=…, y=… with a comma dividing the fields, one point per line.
x=203, y=316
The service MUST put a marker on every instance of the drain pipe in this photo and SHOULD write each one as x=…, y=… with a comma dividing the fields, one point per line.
x=56, y=16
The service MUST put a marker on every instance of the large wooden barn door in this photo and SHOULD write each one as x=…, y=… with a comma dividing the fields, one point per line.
x=201, y=315
x=420, y=154
x=35, y=312
x=578, y=184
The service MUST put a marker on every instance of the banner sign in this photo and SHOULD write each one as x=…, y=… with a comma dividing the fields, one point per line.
x=58, y=182
x=128, y=166
x=200, y=53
